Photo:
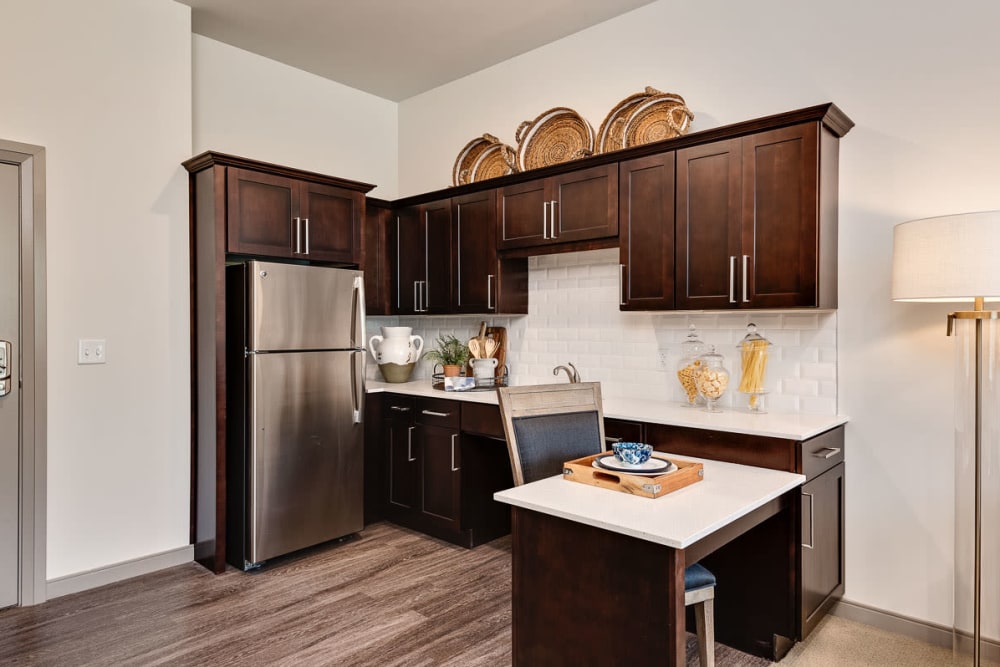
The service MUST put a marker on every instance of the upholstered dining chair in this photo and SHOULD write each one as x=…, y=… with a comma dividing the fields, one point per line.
x=549, y=424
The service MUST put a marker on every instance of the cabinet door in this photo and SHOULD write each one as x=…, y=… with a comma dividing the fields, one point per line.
x=646, y=217
x=440, y=476
x=708, y=225
x=586, y=204
x=822, y=577
x=524, y=215
x=375, y=260
x=437, y=268
x=402, y=455
x=780, y=218
x=408, y=246
x=474, y=221
x=332, y=227
x=261, y=214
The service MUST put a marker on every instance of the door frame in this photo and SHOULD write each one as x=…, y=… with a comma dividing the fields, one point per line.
x=30, y=161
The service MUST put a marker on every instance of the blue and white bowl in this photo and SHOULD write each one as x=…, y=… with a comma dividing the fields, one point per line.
x=633, y=453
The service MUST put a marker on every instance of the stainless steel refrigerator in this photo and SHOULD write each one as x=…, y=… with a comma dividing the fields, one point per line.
x=295, y=433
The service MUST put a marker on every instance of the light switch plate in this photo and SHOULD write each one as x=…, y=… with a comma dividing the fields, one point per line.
x=92, y=351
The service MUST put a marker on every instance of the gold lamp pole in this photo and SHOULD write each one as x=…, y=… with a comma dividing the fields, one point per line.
x=946, y=259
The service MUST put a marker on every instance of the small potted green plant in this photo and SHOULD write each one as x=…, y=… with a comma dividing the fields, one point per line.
x=451, y=353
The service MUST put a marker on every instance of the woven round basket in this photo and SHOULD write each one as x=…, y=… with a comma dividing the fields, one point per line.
x=558, y=135
x=461, y=173
x=611, y=135
x=498, y=159
x=659, y=117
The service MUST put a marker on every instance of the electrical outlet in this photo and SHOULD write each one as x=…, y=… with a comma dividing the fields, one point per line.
x=662, y=359
x=92, y=351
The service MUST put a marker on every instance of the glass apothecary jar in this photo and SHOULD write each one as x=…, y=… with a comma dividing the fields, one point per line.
x=689, y=366
x=753, y=364
x=713, y=380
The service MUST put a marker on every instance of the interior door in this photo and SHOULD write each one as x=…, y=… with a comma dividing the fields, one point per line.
x=10, y=436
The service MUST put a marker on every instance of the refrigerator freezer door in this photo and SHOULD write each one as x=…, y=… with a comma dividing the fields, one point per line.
x=295, y=307
x=306, y=452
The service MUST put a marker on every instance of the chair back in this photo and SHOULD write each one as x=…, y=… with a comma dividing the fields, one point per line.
x=549, y=424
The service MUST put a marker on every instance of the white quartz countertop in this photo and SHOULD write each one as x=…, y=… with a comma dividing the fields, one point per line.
x=776, y=425
x=678, y=519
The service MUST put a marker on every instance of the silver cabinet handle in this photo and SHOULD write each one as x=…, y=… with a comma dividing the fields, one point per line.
x=297, y=233
x=811, y=505
x=489, y=291
x=425, y=297
x=827, y=452
x=608, y=439
x=732, y=279
x=552, y=219
x=545, y=220
x=409, y=445
x=453, y=468
x=306, y=220
x=416, y=296
x=431, y=413
x=399, y=408
x=5, y=364
x=745, y=259
x=621, y=285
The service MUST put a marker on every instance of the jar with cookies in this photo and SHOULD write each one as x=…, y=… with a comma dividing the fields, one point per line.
x=713, y=380
x=688, y=368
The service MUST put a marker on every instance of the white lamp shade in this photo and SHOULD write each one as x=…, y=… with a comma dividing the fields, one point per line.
x=950, y=258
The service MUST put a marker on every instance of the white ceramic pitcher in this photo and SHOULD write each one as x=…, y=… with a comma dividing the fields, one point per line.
x=396, y=345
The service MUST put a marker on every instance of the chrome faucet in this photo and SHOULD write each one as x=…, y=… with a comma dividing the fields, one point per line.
x=573, y=375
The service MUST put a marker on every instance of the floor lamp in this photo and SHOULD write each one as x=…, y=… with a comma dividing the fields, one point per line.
x=956, y=258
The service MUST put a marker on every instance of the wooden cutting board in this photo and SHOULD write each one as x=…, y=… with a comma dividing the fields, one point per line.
x=499, y=336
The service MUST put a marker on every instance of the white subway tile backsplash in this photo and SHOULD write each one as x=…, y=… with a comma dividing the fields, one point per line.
x=574, y=317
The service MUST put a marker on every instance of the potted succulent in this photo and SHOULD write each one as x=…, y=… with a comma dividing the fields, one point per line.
x=451, y=353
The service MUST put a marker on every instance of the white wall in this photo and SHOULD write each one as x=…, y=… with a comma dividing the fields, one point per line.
x=104, y=86
x=248, y=105
x=922, y=86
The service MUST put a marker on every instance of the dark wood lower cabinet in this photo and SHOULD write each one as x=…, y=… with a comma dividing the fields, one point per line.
x=822, y=545
x=815, y=562
x=440, y=480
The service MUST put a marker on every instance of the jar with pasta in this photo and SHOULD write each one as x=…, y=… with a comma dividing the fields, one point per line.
x=688, y=368
x=753, y=364
x=713, y=380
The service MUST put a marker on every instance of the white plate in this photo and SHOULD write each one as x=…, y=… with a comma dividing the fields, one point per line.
x=654, y=466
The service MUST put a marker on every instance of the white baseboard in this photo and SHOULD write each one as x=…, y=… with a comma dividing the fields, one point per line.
x=925, y=631
x=82, y=581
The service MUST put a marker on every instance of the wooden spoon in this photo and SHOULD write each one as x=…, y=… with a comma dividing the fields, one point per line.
x=490, y=347
x=474, y=348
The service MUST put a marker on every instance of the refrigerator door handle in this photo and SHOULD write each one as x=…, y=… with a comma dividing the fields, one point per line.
x=358, y=313
x=357, y=385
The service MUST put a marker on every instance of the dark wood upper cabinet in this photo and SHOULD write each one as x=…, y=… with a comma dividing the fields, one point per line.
x=573, y=206
x=422, y=245
x=476, y=269
x=375, y=258
x=646, y=228
x=276, y=216
x=753, y=228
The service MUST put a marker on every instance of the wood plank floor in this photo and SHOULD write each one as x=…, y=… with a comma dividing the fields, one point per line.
x=388, y=597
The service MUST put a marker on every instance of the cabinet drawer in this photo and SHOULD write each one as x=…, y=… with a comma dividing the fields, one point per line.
x=823, y=452
x=438, y=412
x=398, y=407
x=482, y=419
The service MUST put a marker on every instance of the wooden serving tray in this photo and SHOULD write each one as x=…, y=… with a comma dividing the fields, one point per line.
x=649, y=486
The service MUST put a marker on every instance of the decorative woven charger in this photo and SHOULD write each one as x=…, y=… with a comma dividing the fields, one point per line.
x=611, y=135
x=659, y=117
x=496, y=160
x=558, y=135
x=461, y=173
